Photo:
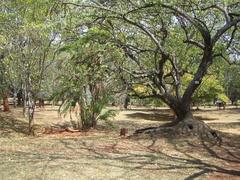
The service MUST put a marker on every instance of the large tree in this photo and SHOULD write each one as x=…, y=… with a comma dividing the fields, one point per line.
x=162, y=41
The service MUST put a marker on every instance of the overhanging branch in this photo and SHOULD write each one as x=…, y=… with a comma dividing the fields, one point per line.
x=226, y=27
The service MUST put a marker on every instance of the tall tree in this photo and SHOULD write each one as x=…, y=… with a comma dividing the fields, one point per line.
x=162, y=41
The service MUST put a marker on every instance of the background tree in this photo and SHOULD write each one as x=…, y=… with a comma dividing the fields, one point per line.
x=4, y=93
x=232, y=83
x=31, y=36
x=210, y=90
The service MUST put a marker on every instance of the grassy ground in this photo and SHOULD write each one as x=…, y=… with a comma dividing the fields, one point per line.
x=102, y=154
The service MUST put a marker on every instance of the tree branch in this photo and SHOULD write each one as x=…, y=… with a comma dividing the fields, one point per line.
x=226, y=27
x=195, y=43
x=198, y=24
x=232, y=36
x=136, y=74
x=223, y=10
x=147, y=32
x=93, y=6
x=223, y=57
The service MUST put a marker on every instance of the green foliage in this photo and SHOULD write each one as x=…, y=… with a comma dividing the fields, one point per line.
x=106, y=114
x=210, y=88
x=231, y=82
x=223, y=97
x=84, y=80
x=29, y=37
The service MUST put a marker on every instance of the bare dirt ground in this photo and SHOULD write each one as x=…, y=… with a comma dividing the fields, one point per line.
x=102, y=154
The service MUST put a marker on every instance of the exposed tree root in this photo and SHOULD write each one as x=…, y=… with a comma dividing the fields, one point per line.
x=52, y=130
x=198, y=128
x=71, y=130
x=188, y=127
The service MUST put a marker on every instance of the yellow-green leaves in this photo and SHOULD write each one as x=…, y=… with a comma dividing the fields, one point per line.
x=209, y=89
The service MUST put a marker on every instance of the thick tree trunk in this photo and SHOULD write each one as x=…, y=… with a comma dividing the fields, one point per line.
x=184, y=125
x=5, y=102
x=188, y=125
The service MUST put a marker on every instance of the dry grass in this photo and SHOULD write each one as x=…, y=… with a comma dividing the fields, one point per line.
x=102, y=154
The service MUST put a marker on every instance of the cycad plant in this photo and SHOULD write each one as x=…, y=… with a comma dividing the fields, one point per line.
x=87, y=102
x=84, y=87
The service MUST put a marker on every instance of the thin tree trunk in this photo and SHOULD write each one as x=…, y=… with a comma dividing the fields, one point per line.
x=24, y=95
x=126, y=102
x=15, y=98
x=5, y=102
x=31, y=107
x=31, y=110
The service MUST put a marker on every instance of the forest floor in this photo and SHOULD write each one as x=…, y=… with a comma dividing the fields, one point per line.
x=103, y=154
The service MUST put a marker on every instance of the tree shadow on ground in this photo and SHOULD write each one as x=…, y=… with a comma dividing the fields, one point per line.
x=228, y=155
x=214, y=160
x=227, y=110
x=151, y=116
x=205, y=158
x=9, y=124
x=141, y=156
x=203, y=118
x=232, y=125
x=161, y=116
x=167, y=110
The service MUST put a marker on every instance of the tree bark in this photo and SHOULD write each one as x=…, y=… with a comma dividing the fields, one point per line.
x=126, y=102
x=31, y=110
x=20, y=97
x=5, y=102
x=15, y=98
x=24, y=95
x=31, y=120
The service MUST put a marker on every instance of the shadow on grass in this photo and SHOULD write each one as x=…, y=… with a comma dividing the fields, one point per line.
x=231, y=125
x=227, y=110
x=196, y=157
x=9, y=124
x=202, y=118
x=151, y=116
x=153, y=158
x=212, y=109
x=161, y=116
x=228, y=153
